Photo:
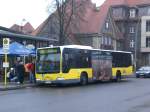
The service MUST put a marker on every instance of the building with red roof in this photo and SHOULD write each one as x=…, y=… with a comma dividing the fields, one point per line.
x=25, y=29
x=131, y=21
x=116, y=24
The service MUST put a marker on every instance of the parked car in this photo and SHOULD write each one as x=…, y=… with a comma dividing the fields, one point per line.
x=143, y=72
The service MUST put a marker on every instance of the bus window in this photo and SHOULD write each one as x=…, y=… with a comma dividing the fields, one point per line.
x=75, y=58
x=82, y=59
x=48, y=62
x=68, y=58
x=121, y=59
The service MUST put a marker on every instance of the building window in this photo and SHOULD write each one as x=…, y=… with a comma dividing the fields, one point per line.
x=132, y=44
x=102, y=40
x=132, y=13
x=132, y=29
x=105, y=40
x=107, y=25
x=119, y=45
x=147, y=41
x=110, y=41
x=148, y=11
x=148, y=26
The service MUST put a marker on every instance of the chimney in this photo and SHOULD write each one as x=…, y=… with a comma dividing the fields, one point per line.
x=96, y=8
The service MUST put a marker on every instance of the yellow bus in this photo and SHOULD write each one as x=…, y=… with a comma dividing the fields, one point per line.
x=81, y=64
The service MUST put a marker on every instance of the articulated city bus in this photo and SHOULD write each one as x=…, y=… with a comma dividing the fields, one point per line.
x=75, y=63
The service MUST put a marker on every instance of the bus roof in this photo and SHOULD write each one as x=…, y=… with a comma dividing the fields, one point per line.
x=119, y=51
x=70, y=46
x=113, y=51
x=77, y=46
x=83, y=47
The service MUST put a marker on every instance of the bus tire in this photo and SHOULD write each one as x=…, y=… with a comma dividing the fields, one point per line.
x=137, y=76
x=118, y=76
x=83, y=79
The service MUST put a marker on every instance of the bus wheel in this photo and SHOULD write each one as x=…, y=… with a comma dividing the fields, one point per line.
x=118, y=76
x=83, y=79
x=137, y=76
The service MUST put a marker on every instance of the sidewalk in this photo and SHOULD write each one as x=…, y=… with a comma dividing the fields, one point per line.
x=14, y=86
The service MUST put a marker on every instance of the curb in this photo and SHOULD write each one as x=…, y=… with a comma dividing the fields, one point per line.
x=16, y=87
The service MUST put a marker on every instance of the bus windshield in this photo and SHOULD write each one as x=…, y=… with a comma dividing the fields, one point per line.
x=48, y=60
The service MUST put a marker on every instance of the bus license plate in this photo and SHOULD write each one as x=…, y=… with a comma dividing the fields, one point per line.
x=48, y=82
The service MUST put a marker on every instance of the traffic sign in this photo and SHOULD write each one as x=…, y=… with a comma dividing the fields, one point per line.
x=6, y=43
x=5, y=64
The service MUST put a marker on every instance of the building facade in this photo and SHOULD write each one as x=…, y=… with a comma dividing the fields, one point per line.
x=133, y=23
x=116, y=24
x=85, y=32
x=24, y=39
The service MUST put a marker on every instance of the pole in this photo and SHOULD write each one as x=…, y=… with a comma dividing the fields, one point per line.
x=24, y=59
x=5, y=70
x=5, y=64
x=135, y=46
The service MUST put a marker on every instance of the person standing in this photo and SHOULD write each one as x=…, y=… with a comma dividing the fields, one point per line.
x=20, y=72
x=30, y=67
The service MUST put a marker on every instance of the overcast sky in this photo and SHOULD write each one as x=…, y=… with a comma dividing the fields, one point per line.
x=33, y=11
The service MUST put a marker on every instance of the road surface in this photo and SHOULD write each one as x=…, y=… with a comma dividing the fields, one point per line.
x=132, y=95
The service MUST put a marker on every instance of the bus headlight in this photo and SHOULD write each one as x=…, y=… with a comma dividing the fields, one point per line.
x=147, y=72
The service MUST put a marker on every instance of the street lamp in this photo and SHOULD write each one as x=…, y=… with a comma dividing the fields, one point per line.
x=22, y=22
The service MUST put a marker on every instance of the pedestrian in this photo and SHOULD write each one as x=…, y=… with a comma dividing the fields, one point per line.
x=10, y=74
x=31, y=67
x=1, y=74
x=20, y=70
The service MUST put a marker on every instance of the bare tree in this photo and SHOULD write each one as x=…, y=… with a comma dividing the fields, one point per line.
x=68, y=14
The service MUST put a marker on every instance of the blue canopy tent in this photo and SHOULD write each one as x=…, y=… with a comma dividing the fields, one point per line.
x=18, y=49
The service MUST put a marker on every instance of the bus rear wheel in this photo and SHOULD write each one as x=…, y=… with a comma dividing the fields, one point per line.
x=83, y=79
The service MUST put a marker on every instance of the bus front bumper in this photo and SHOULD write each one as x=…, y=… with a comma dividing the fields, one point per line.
x=58, y=81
